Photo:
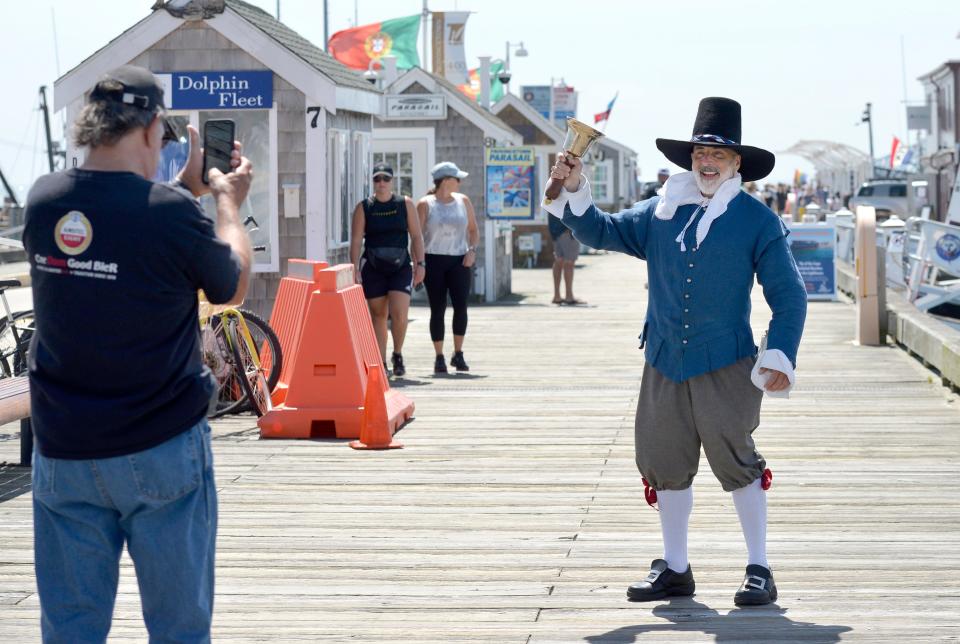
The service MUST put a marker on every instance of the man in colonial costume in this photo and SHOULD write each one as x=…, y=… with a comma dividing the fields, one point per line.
x=704, y=241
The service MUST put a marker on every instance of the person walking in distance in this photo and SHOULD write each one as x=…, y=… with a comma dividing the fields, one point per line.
x=566, y=250
x=386, y=224
x=662, y=175
x=450, y=235
x=119, y=392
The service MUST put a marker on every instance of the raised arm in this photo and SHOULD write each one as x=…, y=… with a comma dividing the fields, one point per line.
x=624, y=232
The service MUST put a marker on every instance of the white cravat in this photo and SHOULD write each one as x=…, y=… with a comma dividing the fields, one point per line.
x=682, y=190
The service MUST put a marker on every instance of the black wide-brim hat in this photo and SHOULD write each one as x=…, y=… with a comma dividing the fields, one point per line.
x=718, y=124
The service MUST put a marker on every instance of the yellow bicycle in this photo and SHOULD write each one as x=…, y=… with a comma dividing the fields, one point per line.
x=243, y=353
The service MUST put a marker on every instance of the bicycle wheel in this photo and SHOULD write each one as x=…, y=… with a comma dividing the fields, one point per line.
x=268, y=346
x=247, y=365
x=231, y=395
x=13, y=354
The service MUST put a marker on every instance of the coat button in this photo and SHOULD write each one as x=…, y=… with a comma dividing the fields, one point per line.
x=684, y=341
x=686, y=326
x=686, y=310
x=689, y=280
x=690, y=265
x=686, y=296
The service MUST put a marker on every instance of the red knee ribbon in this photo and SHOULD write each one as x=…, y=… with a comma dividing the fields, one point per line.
x=766, y=479
x=649, y=494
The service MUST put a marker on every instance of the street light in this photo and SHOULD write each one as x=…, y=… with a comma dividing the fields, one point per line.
x=505, y=74
x=866, y=118
x=371, y=74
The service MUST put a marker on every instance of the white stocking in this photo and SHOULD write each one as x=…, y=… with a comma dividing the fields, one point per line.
x=751, y=504
x=675, y=508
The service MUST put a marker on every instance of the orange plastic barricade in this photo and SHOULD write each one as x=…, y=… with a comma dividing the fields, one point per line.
x=326, y=375
x=289, y=312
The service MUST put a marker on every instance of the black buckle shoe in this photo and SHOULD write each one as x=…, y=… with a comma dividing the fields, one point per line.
x=757, y=588
x=440, y=365
x=458, y=362
x=398, y=369
x=662, y=582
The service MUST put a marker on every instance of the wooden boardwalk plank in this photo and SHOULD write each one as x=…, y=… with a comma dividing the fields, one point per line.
x=515, y=512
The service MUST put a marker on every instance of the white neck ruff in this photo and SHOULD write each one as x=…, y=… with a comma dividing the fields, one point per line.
x=682, y=190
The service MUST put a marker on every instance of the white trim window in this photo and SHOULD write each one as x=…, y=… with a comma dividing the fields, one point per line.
x=339, y=207
x=361, y=158
x=601, y=181
x=403, y=171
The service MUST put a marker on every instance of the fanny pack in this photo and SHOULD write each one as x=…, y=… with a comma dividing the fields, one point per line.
x=387, y=259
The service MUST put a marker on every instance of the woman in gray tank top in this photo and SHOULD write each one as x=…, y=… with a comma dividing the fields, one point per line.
x=450, y=236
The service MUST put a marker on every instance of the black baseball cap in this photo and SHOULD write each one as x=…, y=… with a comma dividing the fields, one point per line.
x=383, y=168
x=139, y=88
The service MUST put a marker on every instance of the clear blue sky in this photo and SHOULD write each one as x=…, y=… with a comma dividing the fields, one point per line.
x=802, y=70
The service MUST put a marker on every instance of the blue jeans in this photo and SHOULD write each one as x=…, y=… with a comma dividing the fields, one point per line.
x=163, y=503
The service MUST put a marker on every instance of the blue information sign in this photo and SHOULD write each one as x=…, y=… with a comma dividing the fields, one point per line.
x=538, y=96
x=219, y=90
x=814, y=248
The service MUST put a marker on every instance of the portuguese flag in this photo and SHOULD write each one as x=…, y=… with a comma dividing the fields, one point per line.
x=358, y=46
x=472, y=89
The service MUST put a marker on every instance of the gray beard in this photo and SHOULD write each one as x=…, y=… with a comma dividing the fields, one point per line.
x=709, y=188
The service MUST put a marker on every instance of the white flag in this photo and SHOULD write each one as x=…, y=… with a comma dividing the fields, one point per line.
x=449, y=54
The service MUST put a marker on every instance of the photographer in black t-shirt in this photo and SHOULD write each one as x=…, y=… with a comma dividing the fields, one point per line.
x=119, y=392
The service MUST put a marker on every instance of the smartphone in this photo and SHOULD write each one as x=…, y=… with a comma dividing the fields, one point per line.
x=218, y=138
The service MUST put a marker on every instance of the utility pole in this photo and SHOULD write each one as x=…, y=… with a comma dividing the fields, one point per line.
x=326, y=26
x=278, y=9
x=866, y=118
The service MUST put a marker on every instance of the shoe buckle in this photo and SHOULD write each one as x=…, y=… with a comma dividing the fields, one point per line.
x=753, y=582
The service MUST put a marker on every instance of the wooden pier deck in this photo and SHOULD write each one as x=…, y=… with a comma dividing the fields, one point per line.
x=515, y=513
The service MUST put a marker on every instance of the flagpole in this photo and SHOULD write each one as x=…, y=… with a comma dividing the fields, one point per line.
x=425, y=19
x=326, y=30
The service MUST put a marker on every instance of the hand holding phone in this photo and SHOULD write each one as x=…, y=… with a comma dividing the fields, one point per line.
x=218, y=138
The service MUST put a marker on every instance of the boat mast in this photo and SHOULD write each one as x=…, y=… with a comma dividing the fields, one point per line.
x=52, y=149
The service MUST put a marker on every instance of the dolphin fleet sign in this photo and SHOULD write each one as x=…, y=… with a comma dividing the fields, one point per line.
x=218, y=90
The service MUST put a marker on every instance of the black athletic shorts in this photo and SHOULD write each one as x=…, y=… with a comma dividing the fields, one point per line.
x=377, y=284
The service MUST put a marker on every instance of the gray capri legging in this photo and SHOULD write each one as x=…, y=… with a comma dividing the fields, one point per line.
x=718, y=410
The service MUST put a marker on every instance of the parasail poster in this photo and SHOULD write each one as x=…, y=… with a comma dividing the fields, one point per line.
x=510, y=176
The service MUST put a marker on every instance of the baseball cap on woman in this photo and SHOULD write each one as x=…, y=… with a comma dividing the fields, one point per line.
x=447, y=169
x=382, y=169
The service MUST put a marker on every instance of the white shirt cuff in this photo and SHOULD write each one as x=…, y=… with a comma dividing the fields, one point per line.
x=579, y=201
x=777, y=360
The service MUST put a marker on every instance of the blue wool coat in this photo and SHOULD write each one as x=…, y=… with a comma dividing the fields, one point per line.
x=698, y=314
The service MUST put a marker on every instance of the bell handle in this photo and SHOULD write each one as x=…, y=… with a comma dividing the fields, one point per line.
x=554, y=186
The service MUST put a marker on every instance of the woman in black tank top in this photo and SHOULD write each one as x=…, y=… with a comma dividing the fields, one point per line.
x=386, y=225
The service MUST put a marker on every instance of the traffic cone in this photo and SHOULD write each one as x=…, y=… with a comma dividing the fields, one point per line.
x=374, y=428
